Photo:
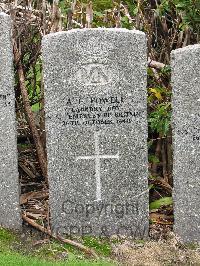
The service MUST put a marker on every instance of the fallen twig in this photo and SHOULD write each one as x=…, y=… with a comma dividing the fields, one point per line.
x=161, y=182
x=81, y=247
x=155, y=64
x=26, y=170
x=33, y=195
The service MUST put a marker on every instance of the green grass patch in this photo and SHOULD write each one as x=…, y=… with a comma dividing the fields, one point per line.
x=14, y=253
x=102, y=246
x=19, y=260
x=7, y=239
x=6, y=236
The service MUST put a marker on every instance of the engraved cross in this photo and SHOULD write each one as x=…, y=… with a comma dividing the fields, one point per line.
x=97, y=157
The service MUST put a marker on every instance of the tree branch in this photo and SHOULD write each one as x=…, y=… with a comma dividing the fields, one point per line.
x=39, y=147
x=81, y=247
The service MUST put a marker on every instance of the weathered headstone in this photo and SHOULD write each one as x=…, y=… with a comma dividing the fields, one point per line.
x=96, y=122
x=186, y=141
x=9, y=183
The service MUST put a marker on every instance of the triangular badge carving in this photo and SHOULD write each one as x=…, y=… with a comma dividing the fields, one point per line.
x=94, y=74
x=97, y=75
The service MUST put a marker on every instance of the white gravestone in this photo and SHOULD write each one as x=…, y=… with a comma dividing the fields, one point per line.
x=96, y=123
x=186, y=141
x=9, y=183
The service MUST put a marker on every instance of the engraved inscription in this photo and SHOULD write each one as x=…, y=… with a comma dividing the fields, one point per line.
x=191, y=132
x=92, y=111
x=4, y=100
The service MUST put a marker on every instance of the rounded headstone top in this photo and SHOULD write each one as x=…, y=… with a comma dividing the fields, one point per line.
x=4, y=19
x=92, y=30
x=2, y=14
x=186, y=50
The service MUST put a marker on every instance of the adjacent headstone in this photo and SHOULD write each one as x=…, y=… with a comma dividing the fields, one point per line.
x=9, y=183
x=96, y=123
x=186, y=141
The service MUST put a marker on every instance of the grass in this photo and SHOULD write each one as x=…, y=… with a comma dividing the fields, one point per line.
x=101, y=246
x=7, y=238
x=14, y=253
x=20, y=260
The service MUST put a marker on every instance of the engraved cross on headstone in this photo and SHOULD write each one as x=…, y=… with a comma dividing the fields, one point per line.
x=97, y=157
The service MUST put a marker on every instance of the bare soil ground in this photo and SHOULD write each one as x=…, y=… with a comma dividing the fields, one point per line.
x=166, y=251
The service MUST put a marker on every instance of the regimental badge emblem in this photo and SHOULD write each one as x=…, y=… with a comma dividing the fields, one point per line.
x=94, y=74
x=96, y=67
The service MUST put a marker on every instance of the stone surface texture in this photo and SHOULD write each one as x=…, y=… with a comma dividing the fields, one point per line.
x=96, y=123
x=9, y=183
x=186, y=141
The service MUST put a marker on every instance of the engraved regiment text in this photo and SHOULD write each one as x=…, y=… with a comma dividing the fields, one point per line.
x=89, y=111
